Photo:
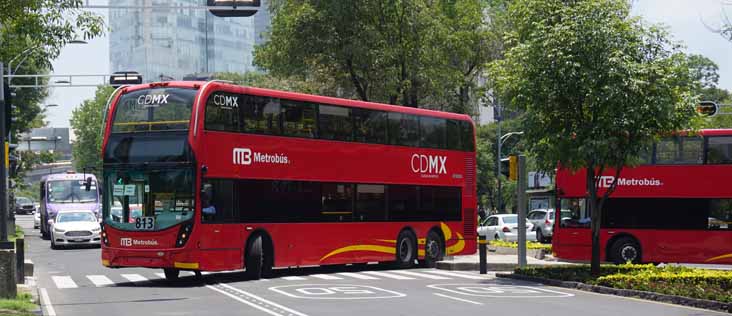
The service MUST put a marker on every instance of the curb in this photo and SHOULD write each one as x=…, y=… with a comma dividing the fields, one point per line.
x=474, y=266
x=652, y=296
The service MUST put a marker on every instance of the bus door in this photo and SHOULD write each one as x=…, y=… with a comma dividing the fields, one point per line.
x=219, y=233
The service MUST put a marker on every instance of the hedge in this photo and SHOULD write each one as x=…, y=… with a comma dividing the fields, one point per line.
x=673, y=280
x=529, y=244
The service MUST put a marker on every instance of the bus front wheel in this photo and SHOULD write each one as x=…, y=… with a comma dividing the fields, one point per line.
x=624, y=250
x=171, y=274
x=406, y=249
x=257, y=264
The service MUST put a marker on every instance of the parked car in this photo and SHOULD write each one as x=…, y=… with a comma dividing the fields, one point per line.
x=543, y=220
x=504, y=227
x=75, y=228
x=37, y=220
x=24, y=205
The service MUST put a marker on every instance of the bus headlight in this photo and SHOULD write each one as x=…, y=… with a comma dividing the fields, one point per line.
x=184, y=233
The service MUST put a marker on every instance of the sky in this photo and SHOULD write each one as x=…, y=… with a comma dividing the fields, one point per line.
x=685, y=20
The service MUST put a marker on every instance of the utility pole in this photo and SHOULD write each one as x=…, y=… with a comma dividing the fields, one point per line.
x=499, y=117
x=3, y=169
x=521, y=203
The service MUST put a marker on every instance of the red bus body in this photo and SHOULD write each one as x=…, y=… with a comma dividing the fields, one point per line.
x=701, y=182
x=221, y=246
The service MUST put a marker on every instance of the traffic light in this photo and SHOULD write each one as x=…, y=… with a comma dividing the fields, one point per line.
x=509, y=167
x=121, y=78
x=230, y=8
x=707, y=108
x=8, y=108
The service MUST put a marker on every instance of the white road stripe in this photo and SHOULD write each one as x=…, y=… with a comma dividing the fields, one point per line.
x=293, y=278
x=46, y=303
x=134, y=278
x=388, y=275
x=457, y=275
x=160, y=275
x=326, y=277
x=291, y=311
x=457, y=299
x=358, y=276
x=64, y=282
x=252, y=304
x=422, y=275
x=99, y=280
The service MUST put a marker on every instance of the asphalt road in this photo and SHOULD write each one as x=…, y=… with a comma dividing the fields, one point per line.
x=74, y=282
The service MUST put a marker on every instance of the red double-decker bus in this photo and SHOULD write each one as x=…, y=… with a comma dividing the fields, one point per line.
x=213, y=176
x=676, y=207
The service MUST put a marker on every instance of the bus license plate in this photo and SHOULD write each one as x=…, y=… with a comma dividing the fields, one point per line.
x=145, y=223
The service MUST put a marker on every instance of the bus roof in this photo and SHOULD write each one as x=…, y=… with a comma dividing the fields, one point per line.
x=68, y=176
x=300, y=97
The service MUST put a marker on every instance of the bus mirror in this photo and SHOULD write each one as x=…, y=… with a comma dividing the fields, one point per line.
x=87, y=184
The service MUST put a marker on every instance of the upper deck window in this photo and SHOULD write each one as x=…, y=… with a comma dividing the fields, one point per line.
x=159, y=109
x=680, y=150
x=719, y=150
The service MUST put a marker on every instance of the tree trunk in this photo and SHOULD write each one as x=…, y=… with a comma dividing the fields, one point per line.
x=596, y=217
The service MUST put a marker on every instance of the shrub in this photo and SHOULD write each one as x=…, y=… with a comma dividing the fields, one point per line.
x=529, y=245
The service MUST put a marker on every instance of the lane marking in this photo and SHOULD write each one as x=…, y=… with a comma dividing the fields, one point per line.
x=455, y=274
x=160, y=275
x=293, y=278
x=134, y=278
x=46, y=303
x=99, y=280
x=358, y=276
x=336, y=292
x=291, y=311
x=423, y=275
x=326, y=277
x=64, y=282
x=388, y=275
x=261, y=308
x=457, y=299
x=499, y=291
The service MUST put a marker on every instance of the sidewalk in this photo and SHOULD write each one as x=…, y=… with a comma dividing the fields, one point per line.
x=495, y=262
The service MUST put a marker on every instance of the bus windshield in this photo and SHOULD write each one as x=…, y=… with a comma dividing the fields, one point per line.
x=71, y=191
x=159, y=109
x=148, y=199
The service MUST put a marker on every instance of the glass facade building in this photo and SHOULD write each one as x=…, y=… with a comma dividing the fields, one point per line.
x=168, y=43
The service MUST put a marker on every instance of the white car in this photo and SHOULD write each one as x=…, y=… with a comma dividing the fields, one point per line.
x=75, y=228
x=504, y=227
x=37, y=219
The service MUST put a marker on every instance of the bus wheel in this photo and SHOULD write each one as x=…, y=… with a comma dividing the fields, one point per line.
x=256, y=262
x=433, y=249
x=171, y=274
x=624, y=250
x=406, y=251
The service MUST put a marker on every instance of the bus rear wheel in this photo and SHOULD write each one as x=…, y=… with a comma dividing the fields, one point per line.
x=171, y=274
x=625, y=250
x=406, y=250
x=434, y=249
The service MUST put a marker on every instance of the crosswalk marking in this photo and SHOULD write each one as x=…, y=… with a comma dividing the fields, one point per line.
x=326, y=277
x=358, y=276
x=293, y=278
x=134, y=278
x=64, y=282
x=160, y=275
x=422, y=275
x=99, y=280
x=458, y=275
x=388, y=275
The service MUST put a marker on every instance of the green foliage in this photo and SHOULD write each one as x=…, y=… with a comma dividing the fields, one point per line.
x=414, y=53
x=529, y=244
x=267, y=81
x=22, y=305
x=87, y=121
x=596, y=86
x=673, y=280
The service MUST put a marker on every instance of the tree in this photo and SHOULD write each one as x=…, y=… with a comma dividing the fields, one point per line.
x=408, y=52
x=597, y=86
x=87, y=121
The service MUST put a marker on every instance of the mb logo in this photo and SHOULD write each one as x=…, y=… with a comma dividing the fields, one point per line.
x=605, y=181
x=242, y=156
x=125, y=242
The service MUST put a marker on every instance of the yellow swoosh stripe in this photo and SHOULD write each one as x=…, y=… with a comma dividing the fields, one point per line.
x=376, y=248
x=446, y=231
x=457, y=247
x=729, y=255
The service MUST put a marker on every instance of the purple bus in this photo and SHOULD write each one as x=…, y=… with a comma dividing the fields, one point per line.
x=67, y=192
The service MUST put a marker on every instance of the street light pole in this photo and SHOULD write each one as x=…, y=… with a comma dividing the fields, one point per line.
x=499, y=114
